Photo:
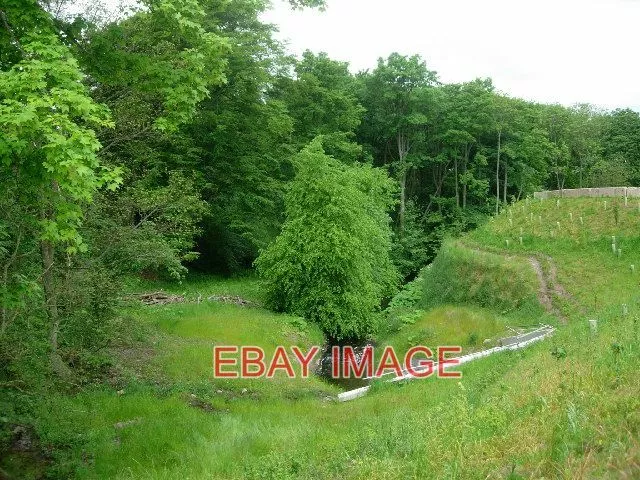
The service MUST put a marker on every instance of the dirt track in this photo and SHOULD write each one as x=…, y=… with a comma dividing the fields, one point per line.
x=549, y=286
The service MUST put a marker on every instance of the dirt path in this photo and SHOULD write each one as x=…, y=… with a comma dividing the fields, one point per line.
x=543, y=291
x=549, y=286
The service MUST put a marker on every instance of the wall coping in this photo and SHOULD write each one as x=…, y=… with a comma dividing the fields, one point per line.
x=624, y=192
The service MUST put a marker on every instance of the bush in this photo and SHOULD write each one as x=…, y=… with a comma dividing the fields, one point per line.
x=331, y=264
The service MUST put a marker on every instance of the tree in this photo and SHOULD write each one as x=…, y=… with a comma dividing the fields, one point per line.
x=53, y=130
x=468, y=113
x=48, y=141
x=397, y=100
x=556, y=120
x=240, y=143
x=331, y=261
x=321, y=101
x=154, y=67
x=585, y=133
x=529, y=153
x=622, y=140
x=155, y=70
x=502, y=116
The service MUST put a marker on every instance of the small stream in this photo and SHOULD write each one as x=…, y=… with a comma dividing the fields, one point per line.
x=325, y=366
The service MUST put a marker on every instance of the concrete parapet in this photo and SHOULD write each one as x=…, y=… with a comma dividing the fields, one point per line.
x=589, y=192
x=633, y=191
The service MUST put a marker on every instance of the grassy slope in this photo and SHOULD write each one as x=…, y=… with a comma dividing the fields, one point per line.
x=574, y=414
x=467, y=327
x=582, y=250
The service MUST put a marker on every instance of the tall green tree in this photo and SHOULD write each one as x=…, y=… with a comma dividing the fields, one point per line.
x=622, y=140
x=396, y=97
x=153, y=69
x=331, y=261
x=468, y=114
x=585, y=132
x=242, y=142
x=502, y=116
x=48, y=149
x=321, y=100
x=59, y=142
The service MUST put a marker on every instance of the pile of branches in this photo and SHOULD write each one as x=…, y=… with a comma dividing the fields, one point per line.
x=158, y=298
x=241, y=302
x=164, y=298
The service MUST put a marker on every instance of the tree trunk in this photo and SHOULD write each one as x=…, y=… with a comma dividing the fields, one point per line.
x=560, y=178
x=455, y=171
x=403, y=193
x=47, y=251
x=403, y=150
x=504, y=187
x=440, y=173
x=498, y=172
x=464, y=172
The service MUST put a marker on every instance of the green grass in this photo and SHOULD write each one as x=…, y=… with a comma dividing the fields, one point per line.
x=526, y=411
x=471, y=276
x=467, y=327
x=582, y=252
x=565, y=408
x=195, y=284
x=183, y=352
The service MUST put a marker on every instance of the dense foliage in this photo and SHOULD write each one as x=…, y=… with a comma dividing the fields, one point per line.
x=181, y=135
x=331, y=262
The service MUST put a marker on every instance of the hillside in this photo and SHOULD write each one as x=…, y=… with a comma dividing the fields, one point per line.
x=565, y=408
x=572, y=402
x=195, y=211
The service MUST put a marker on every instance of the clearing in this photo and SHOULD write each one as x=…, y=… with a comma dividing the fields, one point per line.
x=567, y=407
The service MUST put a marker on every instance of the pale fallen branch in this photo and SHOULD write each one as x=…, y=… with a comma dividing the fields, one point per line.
x=158, y=298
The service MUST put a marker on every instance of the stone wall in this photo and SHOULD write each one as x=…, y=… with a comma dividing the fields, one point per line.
x=589, y=192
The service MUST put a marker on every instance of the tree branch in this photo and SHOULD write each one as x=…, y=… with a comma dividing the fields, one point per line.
x=7, y=26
